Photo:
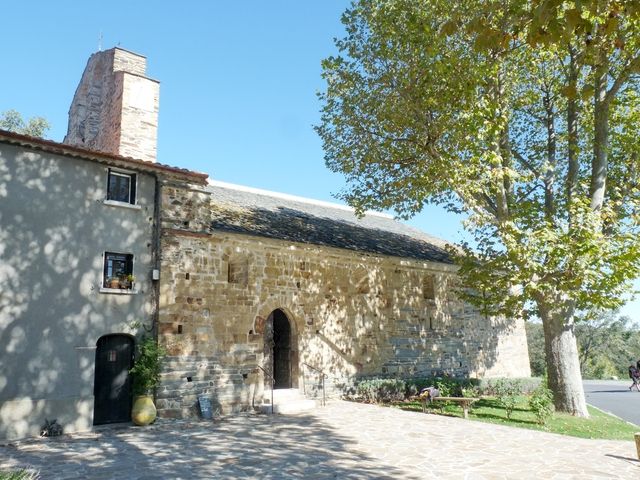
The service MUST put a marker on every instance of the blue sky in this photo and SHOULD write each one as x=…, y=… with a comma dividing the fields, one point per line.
x=238, y=83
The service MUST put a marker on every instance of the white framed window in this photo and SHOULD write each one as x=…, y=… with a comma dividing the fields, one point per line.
x=118, y=271
x=121, y=186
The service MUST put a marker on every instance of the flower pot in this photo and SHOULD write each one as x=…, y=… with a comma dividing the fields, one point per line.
x=144, y=411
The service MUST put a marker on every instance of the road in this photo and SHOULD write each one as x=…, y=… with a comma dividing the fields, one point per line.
x=614, y=396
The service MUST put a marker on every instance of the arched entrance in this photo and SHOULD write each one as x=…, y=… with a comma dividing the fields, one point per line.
x=112, y=382
x=279, y=349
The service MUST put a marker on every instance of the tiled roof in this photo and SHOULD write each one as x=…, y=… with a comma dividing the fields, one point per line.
x=101, y=157
x=248, y=211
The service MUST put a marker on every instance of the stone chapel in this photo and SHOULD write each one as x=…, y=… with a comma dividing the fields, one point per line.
x=259, y=288
x=249, y=291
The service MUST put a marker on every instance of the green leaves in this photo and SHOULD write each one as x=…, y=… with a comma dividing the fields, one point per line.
x=467, y=104
x=12, y=121
x=148, y=365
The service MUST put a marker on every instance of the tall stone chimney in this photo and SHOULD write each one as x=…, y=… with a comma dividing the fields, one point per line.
x=115, y=108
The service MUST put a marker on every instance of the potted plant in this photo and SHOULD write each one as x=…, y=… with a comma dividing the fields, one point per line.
x=126, y=281
x=146, y=376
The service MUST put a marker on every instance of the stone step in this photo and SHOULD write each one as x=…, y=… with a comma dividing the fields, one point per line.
x=286, y=401
x=285, y=394
x=289, y=407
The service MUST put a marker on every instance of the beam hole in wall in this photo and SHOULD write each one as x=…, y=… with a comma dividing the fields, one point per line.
x=186, y=276
x=189, y=379
x=250, y=332
x=179, y=328
x=185, y=224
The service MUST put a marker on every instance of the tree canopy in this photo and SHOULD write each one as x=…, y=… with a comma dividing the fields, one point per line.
x=521, y=114
x=12, y=121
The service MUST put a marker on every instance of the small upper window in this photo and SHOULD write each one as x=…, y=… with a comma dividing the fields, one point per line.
x=429, y=287
x=238, y=271
x=118, y=270
x=121, y=187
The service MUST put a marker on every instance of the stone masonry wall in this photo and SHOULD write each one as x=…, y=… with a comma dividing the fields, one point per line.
x=352, y=314
x=115, y=107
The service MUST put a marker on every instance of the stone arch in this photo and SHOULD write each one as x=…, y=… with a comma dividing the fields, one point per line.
x=263, y=325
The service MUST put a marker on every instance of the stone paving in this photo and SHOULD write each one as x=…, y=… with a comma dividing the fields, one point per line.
x=342, y=440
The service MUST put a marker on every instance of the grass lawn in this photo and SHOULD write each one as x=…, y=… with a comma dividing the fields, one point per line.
x=599, y=425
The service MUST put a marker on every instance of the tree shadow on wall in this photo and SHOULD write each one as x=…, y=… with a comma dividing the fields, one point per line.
x=54, y=229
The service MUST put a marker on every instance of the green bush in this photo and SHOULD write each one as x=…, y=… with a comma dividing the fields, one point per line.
x=541, y=403
x=147, y=366
x=507, y=391
x=471, y=391
x=19, y=475
x=378, y=390
x=448, y=386
x=526, y=385
x=375, y=390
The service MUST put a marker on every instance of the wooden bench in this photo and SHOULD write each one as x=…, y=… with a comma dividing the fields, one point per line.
x=464, y=402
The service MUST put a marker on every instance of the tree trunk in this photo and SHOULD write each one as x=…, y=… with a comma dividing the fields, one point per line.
x=563, y=365
x=550, y=170
x=572, y=132
x=601, y=137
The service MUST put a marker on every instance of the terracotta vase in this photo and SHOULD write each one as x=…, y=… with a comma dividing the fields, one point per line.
x=144, y=411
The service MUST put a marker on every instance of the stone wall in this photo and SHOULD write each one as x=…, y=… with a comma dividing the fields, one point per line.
x=352, y=314
x=115, y=107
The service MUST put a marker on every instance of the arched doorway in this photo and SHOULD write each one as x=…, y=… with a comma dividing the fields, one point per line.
x=279, y=349
x=112, y=382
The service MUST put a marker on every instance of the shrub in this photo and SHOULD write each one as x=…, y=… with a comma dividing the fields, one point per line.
x=507, y=392
x=470, y=391
x=377, y=390
x=147, y=366
x=447, y=386
x=22, y=474
x=526, y=385
x=541, y=403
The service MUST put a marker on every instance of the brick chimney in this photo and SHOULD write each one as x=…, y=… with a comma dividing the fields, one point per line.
x=115, y=108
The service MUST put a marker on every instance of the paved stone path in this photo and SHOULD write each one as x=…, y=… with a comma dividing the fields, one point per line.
x=342, y=440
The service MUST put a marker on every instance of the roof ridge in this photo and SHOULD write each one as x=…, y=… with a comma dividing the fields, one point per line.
x=295, y=198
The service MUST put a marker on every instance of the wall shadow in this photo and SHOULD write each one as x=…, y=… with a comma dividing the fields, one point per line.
x=54, y=229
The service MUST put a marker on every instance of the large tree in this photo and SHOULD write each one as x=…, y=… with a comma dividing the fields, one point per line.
x=521, y=114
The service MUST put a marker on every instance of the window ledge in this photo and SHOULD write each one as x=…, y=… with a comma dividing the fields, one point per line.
x=119, y=291
x=115, y=203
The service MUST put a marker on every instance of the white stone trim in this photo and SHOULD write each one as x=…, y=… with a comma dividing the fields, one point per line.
x=119, y=291
x=115, y=203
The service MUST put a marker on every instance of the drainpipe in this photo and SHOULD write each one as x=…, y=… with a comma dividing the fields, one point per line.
x=155, y=261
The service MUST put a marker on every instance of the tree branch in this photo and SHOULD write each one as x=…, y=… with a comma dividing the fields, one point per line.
x=625, y=73
x=526, y=163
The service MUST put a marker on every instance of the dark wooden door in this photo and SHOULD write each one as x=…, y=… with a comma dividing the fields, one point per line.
x=281, y=350
x=112, y=383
